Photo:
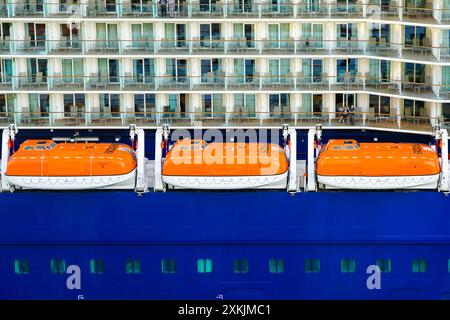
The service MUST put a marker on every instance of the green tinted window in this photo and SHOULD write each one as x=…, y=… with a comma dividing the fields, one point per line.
x=204, y=266
x=57, y=266
x=385, y=265
x=240, y=265
x=96, y=265
x=312, y=265
x=21, y=266
x=168, y=266
x=133, y=266
x=276, y=265
x=419, y=266
x=348, y=265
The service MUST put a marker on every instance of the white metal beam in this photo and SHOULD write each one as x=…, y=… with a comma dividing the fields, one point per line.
x=159, y=185
x=5, y=157
x=444, y=182
x=293, y=179
x=311, y=161
x=141, y=181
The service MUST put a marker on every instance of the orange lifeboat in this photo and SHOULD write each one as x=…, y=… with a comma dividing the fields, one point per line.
x=44, y=164
x=347, y=164
x=196, y=164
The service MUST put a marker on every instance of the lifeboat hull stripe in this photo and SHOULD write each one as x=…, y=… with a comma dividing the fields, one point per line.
x=227, y=182
x=380, y=182
x=124, y=181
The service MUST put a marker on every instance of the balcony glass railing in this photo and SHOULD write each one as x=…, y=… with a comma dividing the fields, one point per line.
x=374, y=9
x=220, y=117
x=352, y=81
x=304, y=46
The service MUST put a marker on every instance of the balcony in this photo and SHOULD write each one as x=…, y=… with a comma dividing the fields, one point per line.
x=277, y=10
x=101, y=10
x=5, y=45
x=68, y=46
x=241, y=45
x=28, y=45
x=249, y=10
x=3, y=10
x=98, y=82
x=104, y=46
x=143, y=44
x=202, y=10
x=139, y=82
x=173, y=46
x=208, y=45
x=241, y=116
x=211, y=80
x=178, y=11
x=137, y=10
x=305, y=10
x=37, y=81
x=169, y=82
x=29, y=10
x=60, y=82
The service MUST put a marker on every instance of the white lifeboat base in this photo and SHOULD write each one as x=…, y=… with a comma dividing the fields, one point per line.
x=379, y=183
x=124, y=181
x=227, y=182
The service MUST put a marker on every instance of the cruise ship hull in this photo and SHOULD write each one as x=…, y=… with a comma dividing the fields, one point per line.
x=116, y=226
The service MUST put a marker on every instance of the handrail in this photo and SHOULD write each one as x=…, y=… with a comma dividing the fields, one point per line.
x=189, y=9
x=261, y=118
x=311, y=43
x=275, y=79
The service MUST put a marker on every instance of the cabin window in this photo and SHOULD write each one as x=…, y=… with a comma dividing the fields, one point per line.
x=385, y=265
x=57, y=266
x=204, y=265
x=240, y=265
x=348, y=265
x=96, y=266
x=21, y=266
x=419, y=266
x=168, y=266
x=53, y=144
x=133, y=266
x=28, y=148
x=312, y=265
x=276, y=265
x=337, y=148
x=40, y=148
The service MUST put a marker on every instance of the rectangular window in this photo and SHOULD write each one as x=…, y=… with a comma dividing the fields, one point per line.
x=419, y=266
x=204, y=266
x=240, y=265
x=312, y=265
x=97, y=266
x=168, y=266
x=276, y=265
x=385, y=265
x=58, y=266
x=21, y=266
x=348, y=265
x=133, y=266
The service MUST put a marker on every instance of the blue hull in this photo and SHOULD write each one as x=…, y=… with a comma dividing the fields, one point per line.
x=223, y=226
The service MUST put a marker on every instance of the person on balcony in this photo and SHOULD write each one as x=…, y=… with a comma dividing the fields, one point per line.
x=352, y=114
x=163, y=6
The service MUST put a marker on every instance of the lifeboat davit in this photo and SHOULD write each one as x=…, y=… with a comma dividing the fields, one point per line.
x=46, y=165
x=347, y=164
x=196, y=164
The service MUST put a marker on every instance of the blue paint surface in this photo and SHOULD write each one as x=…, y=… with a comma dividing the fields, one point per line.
x=223, y=226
